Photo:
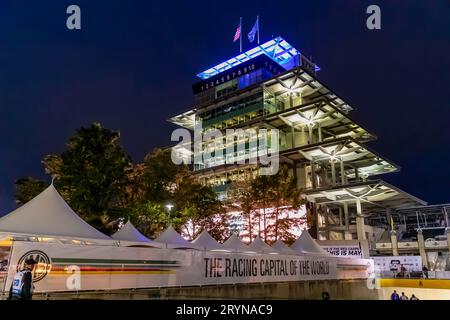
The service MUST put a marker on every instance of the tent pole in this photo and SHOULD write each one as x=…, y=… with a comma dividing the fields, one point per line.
x=9, y=264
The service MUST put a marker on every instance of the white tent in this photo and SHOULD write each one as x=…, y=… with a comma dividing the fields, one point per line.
x=234, y=244
x=49, y=216
x=206, y=242
x=282, y=247
x=260, y=246
x=171, y=239
x=305, y=244
x=128, y=235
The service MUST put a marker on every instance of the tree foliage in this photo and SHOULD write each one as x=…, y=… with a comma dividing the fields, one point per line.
x=161, y=182
x=99, y=181
x=27, y=189
x=92, y=174
x=267, y=204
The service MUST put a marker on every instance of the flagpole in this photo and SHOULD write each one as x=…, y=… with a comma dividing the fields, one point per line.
x=257, y=19
x=240, y=36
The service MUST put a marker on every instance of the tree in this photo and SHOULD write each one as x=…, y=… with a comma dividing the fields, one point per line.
x=160, y=182
x=286, y=197
x=149, y=217
x=198, y=206
x=160, y=175
x=263, y=194
x=92, y=174
x=269, y=202
x=240, y=197
x=27, y=189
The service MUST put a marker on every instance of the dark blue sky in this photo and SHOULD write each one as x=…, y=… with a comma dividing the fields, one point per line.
x=132, y=65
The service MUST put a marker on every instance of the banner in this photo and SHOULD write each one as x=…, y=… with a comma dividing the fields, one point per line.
x=394, y=263
x=352, y=251
x=65, y=267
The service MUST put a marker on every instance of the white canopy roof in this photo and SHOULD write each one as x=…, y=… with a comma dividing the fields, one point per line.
x=129, y=235
x=282, y=247
x=205, y=241
x=234, y=244
x=305, y=244
x=171, y=239
x=48, y=215
x=260, y=246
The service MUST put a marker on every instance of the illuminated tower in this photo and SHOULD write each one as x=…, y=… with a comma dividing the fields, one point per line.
x=274, y=86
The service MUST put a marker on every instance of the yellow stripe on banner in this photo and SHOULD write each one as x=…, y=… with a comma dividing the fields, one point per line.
x=416, y=283
x=5, y=243
x=64, y=273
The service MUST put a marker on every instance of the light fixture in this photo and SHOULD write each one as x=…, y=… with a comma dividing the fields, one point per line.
x=310, y=123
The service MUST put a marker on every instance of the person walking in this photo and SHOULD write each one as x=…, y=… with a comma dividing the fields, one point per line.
x=22, y=284
x=395, y=296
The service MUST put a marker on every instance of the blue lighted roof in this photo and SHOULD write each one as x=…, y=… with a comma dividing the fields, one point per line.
x=277, y=49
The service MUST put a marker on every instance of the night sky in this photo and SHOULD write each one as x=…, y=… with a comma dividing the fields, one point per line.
x=132, y=65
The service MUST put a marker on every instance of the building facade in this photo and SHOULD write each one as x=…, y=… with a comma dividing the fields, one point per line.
x=274, y=87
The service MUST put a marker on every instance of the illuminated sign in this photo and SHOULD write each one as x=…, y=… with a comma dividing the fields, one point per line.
x=247, y=67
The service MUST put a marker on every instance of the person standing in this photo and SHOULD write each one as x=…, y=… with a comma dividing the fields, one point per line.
x=413, y=297
x=395, y=296
x=325, y=294
x=425, y=272
x=22, y=284
x=404, y=297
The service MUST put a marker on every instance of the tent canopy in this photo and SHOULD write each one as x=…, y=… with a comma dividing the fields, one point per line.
x=171, y=239
x=260, y=246
x=205, y=241
x=48, y=215
x=129, y=235
x=234, y=244
x=282, y=247
x=305, y=244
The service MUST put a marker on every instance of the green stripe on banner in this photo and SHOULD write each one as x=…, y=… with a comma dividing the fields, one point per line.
x=111, y=261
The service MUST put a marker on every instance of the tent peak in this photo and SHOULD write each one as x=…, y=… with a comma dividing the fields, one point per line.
x=306, y=244
x=49, y=214
x=128, y=232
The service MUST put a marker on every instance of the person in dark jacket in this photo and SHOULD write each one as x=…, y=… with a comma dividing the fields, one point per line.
x=22, y=284
x=425, y=272
x=395, y=296
x=325, y=295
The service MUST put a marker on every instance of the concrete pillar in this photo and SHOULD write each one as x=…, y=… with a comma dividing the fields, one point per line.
x=293, y=137
x=346, y=218
x=342, y=173
x=421, y=243
x=357, y=174
x=388, y=217
x=333, y=173
x=319, y=131
x=347, y=233
x=310, y=134
x=447, y=232
x=313, y=175
x=316, y=215
x=360, y=221
x=394, y=243
x=446, y=217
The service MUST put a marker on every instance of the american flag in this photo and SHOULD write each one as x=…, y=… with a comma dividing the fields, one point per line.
x=237, y=35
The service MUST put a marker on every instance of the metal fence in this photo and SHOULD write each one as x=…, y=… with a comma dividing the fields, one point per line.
x=416, y=274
